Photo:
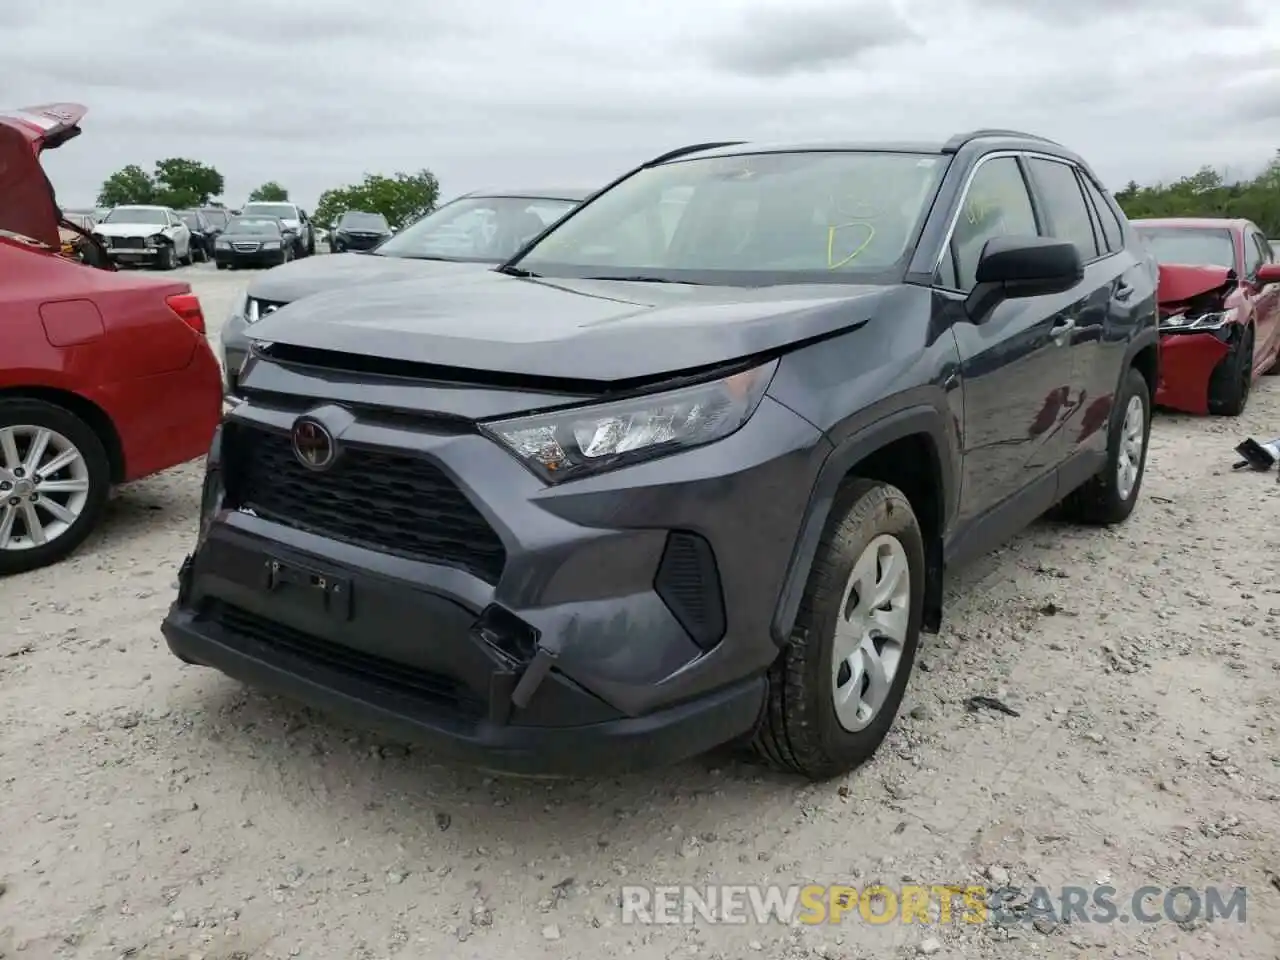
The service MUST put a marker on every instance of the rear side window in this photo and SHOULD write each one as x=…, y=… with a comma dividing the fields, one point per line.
x=1111, y=232
x=996, y=205
x=1068, y=217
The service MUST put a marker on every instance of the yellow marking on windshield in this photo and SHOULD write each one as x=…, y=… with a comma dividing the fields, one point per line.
x=832, y=263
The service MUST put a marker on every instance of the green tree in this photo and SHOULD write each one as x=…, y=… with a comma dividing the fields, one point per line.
x=269, y=192
x=1206, y=193
x=131, y=184
x=186, y=183
x=401, y=198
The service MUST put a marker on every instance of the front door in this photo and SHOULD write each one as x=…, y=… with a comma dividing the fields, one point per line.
x=1016, y=371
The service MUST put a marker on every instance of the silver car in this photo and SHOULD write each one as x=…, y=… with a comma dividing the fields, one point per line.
x=472, y=233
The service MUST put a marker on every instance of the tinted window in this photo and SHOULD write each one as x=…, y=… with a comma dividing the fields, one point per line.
x=284, y=211
x=1268, y=255
x=254, y=226
x=372, y=222
x=1190, y=245
x=1253, y=257
x=1111, y=232
x=844, y=216
x=996, y=205
x=1066, y=215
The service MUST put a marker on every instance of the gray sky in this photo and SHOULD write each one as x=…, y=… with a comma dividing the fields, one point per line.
x=491, y=93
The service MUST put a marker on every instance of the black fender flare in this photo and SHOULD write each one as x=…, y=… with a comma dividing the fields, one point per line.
x=922, y=419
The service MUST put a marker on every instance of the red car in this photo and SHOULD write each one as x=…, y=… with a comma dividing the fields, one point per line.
x=1219, y=298
x=105, y=377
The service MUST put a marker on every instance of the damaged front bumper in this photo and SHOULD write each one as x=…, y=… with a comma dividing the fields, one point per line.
x=1187, y=362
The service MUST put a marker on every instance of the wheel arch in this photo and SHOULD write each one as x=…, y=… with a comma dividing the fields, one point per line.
x=86, y=410
x=907, y=449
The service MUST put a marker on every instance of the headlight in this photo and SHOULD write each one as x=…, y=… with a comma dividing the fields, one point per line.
x=157, y=238
x=568, y=443
x=222, y=244
x=271, y=245
x=1215, y=320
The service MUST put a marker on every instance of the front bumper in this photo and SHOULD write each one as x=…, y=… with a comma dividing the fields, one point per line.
x=1187, y=362
x=574, y=658
x=256, y=258
x=135, y=254
x=342, y=244
x=235, y=347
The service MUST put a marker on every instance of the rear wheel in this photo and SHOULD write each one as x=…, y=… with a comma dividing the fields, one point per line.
x=1232, y=379
x=835, y=690
x=54, y=480
x=1110, y=496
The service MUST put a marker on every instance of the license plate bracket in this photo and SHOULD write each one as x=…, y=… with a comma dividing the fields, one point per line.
x=317, y=590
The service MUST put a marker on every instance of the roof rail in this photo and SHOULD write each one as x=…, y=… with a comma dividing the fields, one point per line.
x=692, y=148
x=960, y=139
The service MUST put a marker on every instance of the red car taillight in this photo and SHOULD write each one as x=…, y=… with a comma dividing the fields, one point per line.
x=187, y=306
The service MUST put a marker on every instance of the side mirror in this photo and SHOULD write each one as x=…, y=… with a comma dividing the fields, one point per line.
x=1269, y=273
x=1017, y=267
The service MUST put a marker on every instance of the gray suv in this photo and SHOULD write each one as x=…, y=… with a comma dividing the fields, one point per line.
x=689, y=468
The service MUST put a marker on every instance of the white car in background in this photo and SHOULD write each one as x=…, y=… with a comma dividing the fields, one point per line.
x=292, y=216
x=145, y=235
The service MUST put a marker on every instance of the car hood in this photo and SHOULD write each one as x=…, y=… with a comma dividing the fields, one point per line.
x=1181, y=282
x=600, y=331
x=302, y=278
x=28, y=205
x=126, y=229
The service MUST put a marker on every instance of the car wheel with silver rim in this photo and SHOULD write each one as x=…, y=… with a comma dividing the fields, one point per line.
x=1110, y=496
x=54, y=480
x=835, y=689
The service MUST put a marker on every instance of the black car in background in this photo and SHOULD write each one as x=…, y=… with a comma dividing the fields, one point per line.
x=203, y=234
x=357, y=230
x=254, y=242
x=693, y=466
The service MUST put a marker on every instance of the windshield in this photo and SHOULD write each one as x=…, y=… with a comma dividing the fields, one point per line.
x=136, y=215
x=750, y=220
x=254, y=227
x=284, y=211
x=372, y=222
x=1190, y=245
x=480, y=229
x=216, y=217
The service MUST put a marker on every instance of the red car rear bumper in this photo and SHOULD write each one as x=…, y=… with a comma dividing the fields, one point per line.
x=1187, y=361
x=167, y=419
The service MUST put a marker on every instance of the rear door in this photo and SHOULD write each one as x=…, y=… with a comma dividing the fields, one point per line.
x=1014, y=364
x=1085, y=315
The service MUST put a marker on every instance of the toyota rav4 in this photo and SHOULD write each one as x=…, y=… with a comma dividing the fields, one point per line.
x=688, y=469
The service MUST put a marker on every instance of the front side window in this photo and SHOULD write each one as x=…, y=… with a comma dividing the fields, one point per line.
x=1066, y=214
x=1192, y=246
x=996, y=204
x=753, y=220
x=477, y=229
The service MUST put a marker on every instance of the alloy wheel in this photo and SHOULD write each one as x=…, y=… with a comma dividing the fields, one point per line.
x=1132, y=441
x=44, y=486
x=871, y=632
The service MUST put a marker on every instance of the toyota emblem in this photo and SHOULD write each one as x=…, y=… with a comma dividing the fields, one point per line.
x=313, y=444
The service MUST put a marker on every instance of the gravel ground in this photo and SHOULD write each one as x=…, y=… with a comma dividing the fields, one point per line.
x=155, y=810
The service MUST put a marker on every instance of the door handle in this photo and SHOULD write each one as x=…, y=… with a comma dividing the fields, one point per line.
x=1124, y=291
x=1062, y=329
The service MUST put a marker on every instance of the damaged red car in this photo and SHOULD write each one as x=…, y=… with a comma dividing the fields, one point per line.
x=105, y=377
x=1219, y=298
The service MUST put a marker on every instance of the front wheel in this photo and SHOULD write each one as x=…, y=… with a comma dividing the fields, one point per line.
x=221, y=265
x=835, y=689
x=1110, y=496
x=168, y=259
x=1232, y=378
x=54, y=480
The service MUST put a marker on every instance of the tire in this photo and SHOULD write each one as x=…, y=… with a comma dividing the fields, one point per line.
x=311, y=245
x=1110, y=496
x=1232, y=379
x=188, y=259
x=20, y=419
x=802, y=731
x=168, y=260
x=222, y=266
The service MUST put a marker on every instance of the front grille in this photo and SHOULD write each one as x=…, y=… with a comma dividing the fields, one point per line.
x=247, y=631
x=246, y=247
x=393, y=503
x=129, y=243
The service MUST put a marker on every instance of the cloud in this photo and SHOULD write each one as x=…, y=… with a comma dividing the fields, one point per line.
x=782, y=42
x=314, y=93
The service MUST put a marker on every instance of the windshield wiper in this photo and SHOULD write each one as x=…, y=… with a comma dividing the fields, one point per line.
x=518, y=272
x=640, y=278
